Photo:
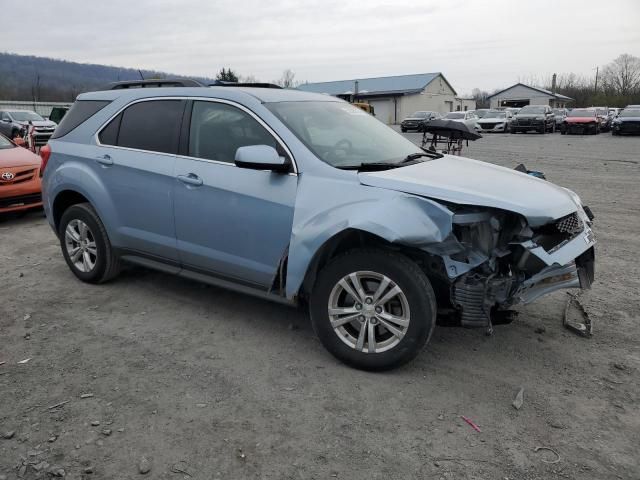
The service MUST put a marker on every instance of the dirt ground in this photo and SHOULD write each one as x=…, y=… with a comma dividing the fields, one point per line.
x=204, y=383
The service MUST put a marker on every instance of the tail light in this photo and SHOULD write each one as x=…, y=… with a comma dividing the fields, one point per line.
x=45, y=153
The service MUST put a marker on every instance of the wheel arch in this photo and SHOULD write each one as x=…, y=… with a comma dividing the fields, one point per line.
x=62, y=201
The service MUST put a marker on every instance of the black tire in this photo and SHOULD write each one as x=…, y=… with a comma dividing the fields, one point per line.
x=543, y=129
x=14, y=133
x=512, y=130
x=405, y=274
x=403, y=130
x=107, y=264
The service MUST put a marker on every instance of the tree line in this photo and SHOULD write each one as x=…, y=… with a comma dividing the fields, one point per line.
x=616, y=84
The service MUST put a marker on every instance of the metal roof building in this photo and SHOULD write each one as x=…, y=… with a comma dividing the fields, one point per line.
x=521, y=95
x=396, y=97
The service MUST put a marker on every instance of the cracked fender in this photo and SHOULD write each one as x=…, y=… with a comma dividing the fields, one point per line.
x=395, y=216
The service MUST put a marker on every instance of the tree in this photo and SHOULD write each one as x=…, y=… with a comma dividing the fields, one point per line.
x=622, y=76
x=287, y=80
x=227, y=75
x=481, y=97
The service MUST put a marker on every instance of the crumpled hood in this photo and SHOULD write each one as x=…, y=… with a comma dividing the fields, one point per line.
x=470, y=182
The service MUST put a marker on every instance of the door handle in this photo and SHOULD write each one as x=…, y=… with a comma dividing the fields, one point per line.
x=190, y=179
x=104, y=160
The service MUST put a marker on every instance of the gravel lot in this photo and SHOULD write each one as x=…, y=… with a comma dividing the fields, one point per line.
x=205, y=383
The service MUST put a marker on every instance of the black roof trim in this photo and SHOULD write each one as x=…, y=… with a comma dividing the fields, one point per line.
x=154, y=83
x=221, y=83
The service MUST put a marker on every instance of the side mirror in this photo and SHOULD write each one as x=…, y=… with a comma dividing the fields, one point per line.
x=260, y=157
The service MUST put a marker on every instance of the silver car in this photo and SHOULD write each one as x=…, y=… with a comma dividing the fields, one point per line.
x=306, y=200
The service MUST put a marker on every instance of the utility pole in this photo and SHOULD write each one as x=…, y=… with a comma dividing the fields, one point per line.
x=596, y=86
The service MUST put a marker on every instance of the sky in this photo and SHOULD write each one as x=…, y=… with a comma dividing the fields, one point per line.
x=487, y=44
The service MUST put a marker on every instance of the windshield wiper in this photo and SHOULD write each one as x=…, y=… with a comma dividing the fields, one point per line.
x=426, y=153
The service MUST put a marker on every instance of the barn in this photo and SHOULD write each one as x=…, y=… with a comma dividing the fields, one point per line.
x=521, y=95
x=396, y=97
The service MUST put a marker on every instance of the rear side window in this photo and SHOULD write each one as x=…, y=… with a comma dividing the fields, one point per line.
x=80, y=111
x=151, y=125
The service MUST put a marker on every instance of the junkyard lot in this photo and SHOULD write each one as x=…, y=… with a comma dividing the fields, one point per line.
x=235, y=387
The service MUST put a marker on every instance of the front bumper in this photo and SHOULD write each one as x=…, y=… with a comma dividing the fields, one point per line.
x=493, y=127
x=483, y=290
x=629, y=128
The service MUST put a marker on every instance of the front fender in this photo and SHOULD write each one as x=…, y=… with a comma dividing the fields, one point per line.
x=394, y=216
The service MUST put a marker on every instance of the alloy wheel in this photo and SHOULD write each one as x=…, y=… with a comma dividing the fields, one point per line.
x=81, y=245
x=368, y=311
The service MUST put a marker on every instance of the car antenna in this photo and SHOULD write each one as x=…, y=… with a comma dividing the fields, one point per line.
x=140, y=72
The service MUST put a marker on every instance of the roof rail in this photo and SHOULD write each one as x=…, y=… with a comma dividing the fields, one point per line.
x=222, y=83
x=154, y=83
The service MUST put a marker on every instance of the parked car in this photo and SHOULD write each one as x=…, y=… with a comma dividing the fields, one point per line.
x=581, y=120
x=480, y=113
x=16, y=122
x=559, y=115
x=604, y=119
x=613, y=112
x=534, y=117
x=632, y=107
x=304, y=199
x=495, y=121
x=627, y=122
x=468, y=118
x=19, y=178
x=417, y=119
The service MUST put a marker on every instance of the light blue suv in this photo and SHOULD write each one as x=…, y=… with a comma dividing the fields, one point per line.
x=306, y=200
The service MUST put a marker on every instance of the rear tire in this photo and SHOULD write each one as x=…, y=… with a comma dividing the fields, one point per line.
x=85, y=245
x=410, y=311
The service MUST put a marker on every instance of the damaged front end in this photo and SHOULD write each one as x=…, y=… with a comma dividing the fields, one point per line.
x=493, y=260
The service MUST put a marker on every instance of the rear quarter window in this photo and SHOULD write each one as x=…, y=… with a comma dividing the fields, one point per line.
x=80, y=112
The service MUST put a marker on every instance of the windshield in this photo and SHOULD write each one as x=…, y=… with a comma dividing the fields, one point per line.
x=5, y=143
x=342, y=135
x=454, y=115
x=557, y=111
x=481, y=113
x=629, y=113
x=420, y=114
x=530, y=110
x=581, y=112
x=25, y=116
x=496, y=114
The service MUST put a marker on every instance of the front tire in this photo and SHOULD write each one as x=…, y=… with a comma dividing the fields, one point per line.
x=373, y=309
x=85, y=245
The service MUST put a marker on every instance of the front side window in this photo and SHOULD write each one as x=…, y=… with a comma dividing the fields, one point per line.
x=152, y=125
x=342, y=135
x=217, y=130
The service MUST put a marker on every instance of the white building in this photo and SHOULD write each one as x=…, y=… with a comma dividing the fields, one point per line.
x=395, y=98
x=521, y=95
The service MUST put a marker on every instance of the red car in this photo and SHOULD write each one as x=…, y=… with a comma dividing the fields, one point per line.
x=19, y=178
x=581, y=120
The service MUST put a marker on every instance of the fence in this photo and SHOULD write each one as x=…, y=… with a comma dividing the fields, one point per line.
x=42, y=108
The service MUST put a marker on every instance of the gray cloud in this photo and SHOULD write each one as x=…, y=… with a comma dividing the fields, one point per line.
x=484, y=44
